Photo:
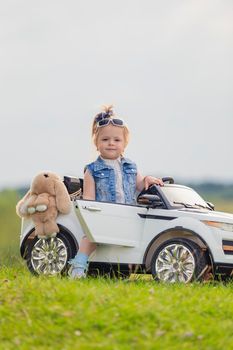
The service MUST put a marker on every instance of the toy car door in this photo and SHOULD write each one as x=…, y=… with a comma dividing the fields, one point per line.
x=111, y=223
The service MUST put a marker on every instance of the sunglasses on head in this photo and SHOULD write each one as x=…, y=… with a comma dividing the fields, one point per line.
x=103, y=115
x=107, y=121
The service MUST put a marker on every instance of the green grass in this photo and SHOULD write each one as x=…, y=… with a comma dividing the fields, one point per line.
x=9, y=228
x=57, y=313
x=60, y=314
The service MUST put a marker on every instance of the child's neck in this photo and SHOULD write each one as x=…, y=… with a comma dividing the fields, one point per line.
x=110, y=158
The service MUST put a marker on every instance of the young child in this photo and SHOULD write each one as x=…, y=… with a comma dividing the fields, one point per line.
x=110, y=178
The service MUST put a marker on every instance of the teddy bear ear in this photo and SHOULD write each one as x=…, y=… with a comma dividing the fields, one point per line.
x=21, y=207
x=63, y=201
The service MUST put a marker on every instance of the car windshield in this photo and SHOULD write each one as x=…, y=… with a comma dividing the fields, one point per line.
x=183, y=196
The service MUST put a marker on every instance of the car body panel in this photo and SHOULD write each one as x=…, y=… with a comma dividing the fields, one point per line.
x=111, y=223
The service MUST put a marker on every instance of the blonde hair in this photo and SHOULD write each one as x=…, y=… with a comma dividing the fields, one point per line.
x=95, y=130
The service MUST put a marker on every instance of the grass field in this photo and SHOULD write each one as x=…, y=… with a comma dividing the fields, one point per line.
x=57, y=313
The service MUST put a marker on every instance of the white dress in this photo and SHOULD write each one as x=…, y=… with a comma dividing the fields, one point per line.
x=116, y=165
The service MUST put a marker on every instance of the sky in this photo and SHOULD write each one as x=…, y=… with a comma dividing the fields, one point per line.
x=166, y=66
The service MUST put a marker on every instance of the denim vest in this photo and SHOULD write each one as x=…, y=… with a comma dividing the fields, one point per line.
x=104, y=177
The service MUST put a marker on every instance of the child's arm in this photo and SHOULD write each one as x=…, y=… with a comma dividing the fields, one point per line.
x=147, y=181
x=88, y=186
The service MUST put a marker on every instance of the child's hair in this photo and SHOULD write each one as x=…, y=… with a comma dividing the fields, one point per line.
x=108, y=109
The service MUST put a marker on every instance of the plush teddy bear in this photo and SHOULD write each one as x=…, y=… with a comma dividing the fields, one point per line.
x=46, y=198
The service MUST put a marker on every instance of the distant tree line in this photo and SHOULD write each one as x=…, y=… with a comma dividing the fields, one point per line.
x=211, y=190
x=205, y=189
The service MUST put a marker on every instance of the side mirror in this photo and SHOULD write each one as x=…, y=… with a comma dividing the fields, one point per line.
x=150, y=200
x=211, y=205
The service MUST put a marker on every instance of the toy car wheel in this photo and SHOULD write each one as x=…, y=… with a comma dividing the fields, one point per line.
x=50, y=256
x=178, y=260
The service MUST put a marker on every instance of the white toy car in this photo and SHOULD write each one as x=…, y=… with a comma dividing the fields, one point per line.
x=171, y=233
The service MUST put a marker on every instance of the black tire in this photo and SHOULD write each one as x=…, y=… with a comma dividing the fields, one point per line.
x=179, y=260
x=50, y=256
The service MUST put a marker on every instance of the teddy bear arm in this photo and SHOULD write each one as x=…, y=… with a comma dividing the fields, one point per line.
x=22, y=205
x=21, y=209
x=42, y=199
x=31, y=200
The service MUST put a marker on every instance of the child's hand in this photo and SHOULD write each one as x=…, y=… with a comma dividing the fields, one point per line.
x=150, y=180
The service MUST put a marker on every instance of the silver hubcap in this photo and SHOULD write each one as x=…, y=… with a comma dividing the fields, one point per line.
x=49, y=256
x=175, y=263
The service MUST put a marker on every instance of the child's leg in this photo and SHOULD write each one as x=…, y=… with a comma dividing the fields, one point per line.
x=87, y=247
x=80, y=262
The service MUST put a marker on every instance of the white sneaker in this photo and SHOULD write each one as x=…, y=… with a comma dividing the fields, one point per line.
x=76, y=273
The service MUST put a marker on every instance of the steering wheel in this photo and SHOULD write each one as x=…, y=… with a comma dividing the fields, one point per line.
x=153, y=188
x=168, y=179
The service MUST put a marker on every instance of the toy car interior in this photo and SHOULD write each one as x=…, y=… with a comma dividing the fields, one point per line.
x=74, y=186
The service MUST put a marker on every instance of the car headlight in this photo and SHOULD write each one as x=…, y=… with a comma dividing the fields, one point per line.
x=222, y=225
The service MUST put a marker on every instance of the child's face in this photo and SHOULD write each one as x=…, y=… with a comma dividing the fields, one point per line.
x=110, y=142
